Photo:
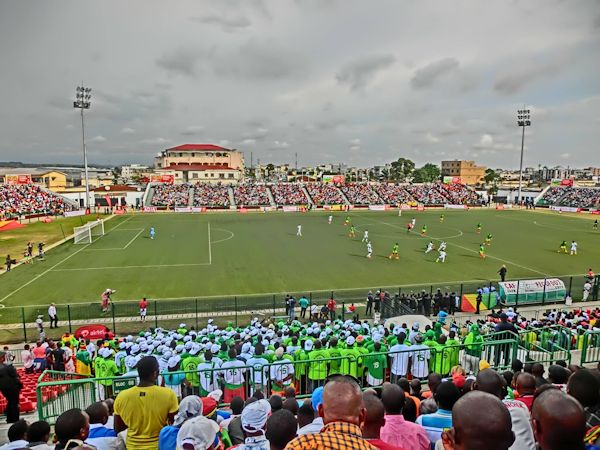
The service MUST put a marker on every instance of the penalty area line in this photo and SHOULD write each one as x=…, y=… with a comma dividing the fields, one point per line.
x=146, y=266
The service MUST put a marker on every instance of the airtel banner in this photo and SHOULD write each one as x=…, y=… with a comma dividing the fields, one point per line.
x=18, y=179
x=169, y=179
x=91, y=332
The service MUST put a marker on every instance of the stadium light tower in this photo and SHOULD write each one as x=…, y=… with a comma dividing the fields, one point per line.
x=83, y=96
x=523, y=120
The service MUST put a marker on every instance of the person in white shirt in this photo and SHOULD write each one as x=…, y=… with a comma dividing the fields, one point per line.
x=442, y=246
x=400, y=354
x=573, y=248
x=330, y=219
x=587, y=287
x=259, y=370
x=100, y=436
x=282, y=371
x=420, y=355
x=441, y=257
x=299, y=230
x=369, y=250
x=429, y=247
x=365, y=236
x=316, y=425
x=233, y=373
x=53, y=316
x=27, y=358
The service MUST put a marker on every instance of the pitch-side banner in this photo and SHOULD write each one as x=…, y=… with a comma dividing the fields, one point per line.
x=531, y=290
x=565, y=209
x=150, y=209
x=447, y=206
x=289, y=208
x=79, y=212
x=377, y=207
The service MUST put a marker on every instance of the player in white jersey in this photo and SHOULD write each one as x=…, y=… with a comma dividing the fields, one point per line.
x=369, y=249
x=399, y=353
x=413, y=222
x=365, y=236
x=420, y=355
x=441, y=257
x=442, y=246
x=330, y=219
x=573, y=248
x=429, y=247
x=207, y=375
x=299, y=230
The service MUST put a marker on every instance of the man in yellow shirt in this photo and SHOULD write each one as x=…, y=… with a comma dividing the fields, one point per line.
x=145, y=409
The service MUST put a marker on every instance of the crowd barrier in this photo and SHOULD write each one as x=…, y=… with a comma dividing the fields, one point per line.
x=58, y=391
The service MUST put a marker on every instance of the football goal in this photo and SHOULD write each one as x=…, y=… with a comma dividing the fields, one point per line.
x=88, y=232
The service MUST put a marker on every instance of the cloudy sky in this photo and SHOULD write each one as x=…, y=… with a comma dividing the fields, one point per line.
x=362, y=82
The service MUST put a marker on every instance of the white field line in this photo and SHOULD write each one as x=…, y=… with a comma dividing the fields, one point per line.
x=472, y=251
x=74, y=269
x=231, y=236
x=55, y=265
x=133, y=239
x=209, y=246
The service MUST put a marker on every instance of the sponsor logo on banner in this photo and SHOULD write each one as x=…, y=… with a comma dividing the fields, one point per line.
x=17, y=179
x=565, y=209
x=566, y=182
x=182, y=209
x=95, y=331
x=198, y=210
x=420, y=208
x=595, y=212
x=150, y=209
x=335, y=179
x=289, y=208
x=405, y=206
x=79, y=212
x=448, y=206
x=377, y=207
x=243, y=210
x=500, y=206
x=169, y=179
x=338, y=207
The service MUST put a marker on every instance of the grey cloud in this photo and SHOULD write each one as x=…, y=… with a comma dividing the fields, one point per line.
x=226, y=22
x=358, y=73
x=526, y=73
x=192, y=130
x=181, y=61
x=426, y=76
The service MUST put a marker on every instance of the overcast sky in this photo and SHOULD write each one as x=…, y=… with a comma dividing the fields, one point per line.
x=361, y=82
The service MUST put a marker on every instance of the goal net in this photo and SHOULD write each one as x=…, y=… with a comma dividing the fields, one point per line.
x=88, y=232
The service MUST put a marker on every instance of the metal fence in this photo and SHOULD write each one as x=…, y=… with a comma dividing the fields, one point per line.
x=589, y=344
x=17, y=324
x=57, y=391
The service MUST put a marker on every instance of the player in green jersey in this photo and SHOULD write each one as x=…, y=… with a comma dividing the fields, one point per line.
x=482, y=251
x=563, y=247
x=478, y=230
x=394, y=254
x=488, y=239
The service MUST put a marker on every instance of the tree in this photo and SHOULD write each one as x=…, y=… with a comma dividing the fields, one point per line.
x=401, y=169
x=269, y=169
x=427, y=174
x=491, y=177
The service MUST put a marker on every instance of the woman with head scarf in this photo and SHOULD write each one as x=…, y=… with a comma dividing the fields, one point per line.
x=190, y=406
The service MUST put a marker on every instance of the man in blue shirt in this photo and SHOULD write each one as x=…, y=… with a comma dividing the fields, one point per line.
x=446, y=395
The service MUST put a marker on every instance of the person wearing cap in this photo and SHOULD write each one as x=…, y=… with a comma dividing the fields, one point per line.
x=190, y=407
x=208, y=375
x=198, y=433
x=254, y=423
x=281, y=372
x=317, y=367
x=172, y=377
x=376, y=364
x=473, y=347
x=419, y=355
x=400, y=354
x=350, y=358
x=190, y=367
x=300, y=367
x=145, y=409
x=105, y=368
x=120, y=357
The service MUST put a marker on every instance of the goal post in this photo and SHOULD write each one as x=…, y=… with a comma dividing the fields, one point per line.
x=85, y=234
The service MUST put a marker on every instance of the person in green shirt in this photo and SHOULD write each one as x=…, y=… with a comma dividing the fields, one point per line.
x=440, y=359
x=334, y=352
x=105, y=368
x=300, y=366
x=376, y=363
x=394, y=254
x=473, y=348
x=317, y=367
x=303, y=302
x=453, y=347
x=350, y=356
x=190, y=366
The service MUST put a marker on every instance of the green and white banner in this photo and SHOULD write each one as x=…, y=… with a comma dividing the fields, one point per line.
x=531, y=291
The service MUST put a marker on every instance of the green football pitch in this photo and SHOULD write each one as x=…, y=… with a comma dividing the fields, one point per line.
x=215, y=254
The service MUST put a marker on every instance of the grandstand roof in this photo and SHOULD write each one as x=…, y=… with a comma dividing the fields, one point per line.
x=191, y=147
x=193, y=167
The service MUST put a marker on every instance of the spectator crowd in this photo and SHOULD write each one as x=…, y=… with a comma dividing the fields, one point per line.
x=288, y=194
x=575, y=197
x=325, y=194
x=251, y=194
x=29, y=199
x=211, y=195
x=360, y=194
x=171, y=195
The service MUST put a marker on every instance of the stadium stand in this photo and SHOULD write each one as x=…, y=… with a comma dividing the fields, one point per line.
x=394, y=194
x=325, y=194
x=211, y=195
x=251, y=194
x=171, y=195
x=288, y=194
x=575, y=197
x=427, y=194
x=29, y=199
x=360, y=194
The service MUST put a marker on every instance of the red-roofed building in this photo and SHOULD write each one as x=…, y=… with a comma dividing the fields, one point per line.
x=189, y=163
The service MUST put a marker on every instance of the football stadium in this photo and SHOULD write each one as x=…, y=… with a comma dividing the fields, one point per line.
x=237, y=251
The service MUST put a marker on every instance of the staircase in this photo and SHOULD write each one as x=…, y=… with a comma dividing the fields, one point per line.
x=231, y=196
x=343, y=195
x=191, y=197
x=147, y=198
x=271, y=198
x=308, y=197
